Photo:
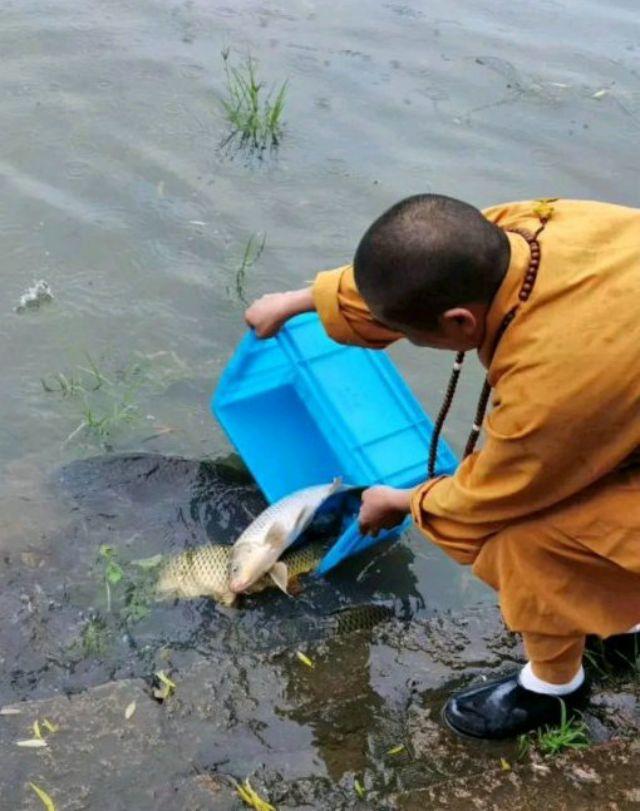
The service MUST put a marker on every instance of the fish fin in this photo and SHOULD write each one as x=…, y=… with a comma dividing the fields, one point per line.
x=294, y=587
x=228, y=598
x=280, y=575
x=276, y=537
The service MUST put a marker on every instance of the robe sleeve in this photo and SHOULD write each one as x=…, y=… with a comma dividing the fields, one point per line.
x=344, y=314
x=546, y=439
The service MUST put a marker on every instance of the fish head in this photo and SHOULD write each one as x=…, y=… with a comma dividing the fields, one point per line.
x=248, y=564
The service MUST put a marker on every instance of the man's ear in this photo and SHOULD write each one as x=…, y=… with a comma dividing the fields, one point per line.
x=464, y=320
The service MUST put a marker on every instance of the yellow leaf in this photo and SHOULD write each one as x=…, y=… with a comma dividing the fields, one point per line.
x=167, y=686
x=506, y=766
x=162, y=676
x=131, y=708
x=304, y=659
x=49, y=726
x=32, y=743
x=395, y=750
x=42, y=794
x=36, y=730
x=252, y=798
x=359, y=788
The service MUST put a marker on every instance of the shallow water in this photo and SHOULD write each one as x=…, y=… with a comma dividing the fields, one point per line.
x=114, y=189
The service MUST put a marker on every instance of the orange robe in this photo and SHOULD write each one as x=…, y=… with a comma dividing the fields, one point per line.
x=548, y=510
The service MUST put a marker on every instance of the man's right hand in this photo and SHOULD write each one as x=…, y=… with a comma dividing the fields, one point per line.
x=269, y=313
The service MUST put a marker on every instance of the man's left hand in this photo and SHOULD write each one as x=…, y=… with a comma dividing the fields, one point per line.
x=383, y=508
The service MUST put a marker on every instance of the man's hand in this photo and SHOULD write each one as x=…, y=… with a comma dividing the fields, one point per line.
x=268, y=314
x=383, y=508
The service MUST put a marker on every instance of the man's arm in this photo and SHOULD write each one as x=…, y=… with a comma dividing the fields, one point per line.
x=268, y=314
x=343, y=312
x=548, y=437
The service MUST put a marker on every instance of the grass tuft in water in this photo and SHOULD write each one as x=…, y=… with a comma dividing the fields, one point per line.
x=107, y=403
x=112, y=571
x=94, y=637
x=571, y=733
x=129, y=586
x=254, y=113
x=252, y=252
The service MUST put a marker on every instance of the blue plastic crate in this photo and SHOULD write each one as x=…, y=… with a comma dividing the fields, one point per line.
x=301, y=409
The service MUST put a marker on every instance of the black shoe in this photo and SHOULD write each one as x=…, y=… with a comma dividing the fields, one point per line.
x=504, y=709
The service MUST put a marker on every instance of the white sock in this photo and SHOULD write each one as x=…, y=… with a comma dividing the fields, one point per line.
x=530, y=681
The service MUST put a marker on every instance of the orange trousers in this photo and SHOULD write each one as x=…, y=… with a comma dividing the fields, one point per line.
x=568, y=571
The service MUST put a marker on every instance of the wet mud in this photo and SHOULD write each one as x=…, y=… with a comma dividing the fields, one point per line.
x=364, y=706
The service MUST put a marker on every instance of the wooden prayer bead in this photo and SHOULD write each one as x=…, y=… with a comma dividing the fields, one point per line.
x=523, y=296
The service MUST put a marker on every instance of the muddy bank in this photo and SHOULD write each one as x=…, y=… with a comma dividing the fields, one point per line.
x=367, y=710
x=305, y=735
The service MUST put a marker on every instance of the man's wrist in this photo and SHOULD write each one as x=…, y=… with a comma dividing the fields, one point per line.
x=299, y=301
x=402, y=500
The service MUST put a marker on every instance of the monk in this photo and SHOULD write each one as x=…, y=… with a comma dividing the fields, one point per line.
x=547, y=510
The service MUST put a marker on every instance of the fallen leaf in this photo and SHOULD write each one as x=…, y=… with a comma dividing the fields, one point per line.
x=304, y=659
x=162, y=676
x=10, y=711
x=46, y=723
x=42, y=794
x=32, y=743
x=506, y=766
x=599, y=94
x=167, y=686
x=395, y=750
x=131, y=708
x=359, y=788
x=251, y=797
x=36, y=730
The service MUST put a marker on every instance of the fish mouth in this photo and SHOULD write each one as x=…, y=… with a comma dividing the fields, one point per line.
x=238, y=586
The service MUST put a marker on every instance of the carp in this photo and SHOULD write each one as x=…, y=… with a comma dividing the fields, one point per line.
x=204, y=572
x=257, y=551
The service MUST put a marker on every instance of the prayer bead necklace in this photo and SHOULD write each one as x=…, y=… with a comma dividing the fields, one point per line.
x=525, y=291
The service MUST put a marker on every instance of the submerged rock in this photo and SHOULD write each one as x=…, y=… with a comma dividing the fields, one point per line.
x=35, y=297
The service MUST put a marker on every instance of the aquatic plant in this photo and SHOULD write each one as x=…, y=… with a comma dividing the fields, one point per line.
x=571, y=733
x=60, y=383
x=94, y=637
x=139, y=595
x=252, y=252
x=113, y=572
x=107, y=402
x=254, y=113
x=135, y=582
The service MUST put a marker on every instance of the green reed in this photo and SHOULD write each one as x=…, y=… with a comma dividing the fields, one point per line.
x=252, y=252
x=252, y=110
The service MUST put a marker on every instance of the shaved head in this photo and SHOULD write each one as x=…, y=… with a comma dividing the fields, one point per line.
x=427, y=254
